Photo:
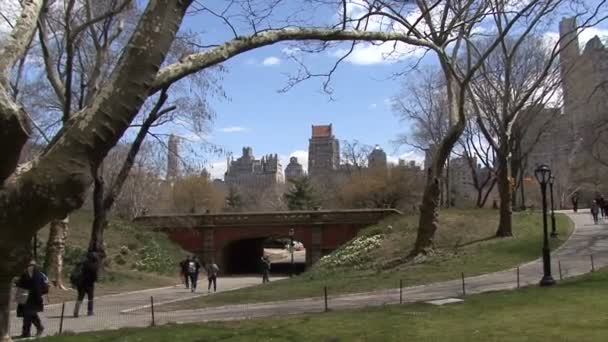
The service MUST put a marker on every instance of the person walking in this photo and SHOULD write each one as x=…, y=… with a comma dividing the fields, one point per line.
x=183, y=265
x=265, y=263
x=212, y=272
x=601, y=203
x=193, y=270
x=594, y=211
x=574, y=200
x=31, y=285
x=84, y=280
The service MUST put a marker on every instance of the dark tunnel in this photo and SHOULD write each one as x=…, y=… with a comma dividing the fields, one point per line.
x=243, y=257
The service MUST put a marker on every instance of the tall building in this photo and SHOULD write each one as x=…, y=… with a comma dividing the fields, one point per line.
x=323, y=151
x=173, y=158
x=377, y=158
x=294, y=169
x=254, y=174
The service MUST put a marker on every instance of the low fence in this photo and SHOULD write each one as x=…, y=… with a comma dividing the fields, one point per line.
x=113, y=312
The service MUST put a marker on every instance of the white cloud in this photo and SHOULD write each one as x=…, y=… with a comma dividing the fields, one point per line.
x=217, y=169
x=234, y=129
x=384, y=53
x=291, y=51
x=272, y=60
x=372, y=106
x=302, y=156
x=416, y=156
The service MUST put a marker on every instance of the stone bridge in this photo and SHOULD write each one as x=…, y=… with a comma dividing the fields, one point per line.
x=235, y=240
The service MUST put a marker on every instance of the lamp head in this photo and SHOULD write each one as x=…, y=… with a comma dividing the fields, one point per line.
x=292, y=232
x=543, y=174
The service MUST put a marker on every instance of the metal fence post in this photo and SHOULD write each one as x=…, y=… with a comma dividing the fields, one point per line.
x=400, y=291
x=464, y=291
x=152, y=310
x=325, y=291
x=559, y=267
x=517, y=276
x=61, y=319
x=592, y=264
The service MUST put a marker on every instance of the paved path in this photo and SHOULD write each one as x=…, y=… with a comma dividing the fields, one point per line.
x=587, y=239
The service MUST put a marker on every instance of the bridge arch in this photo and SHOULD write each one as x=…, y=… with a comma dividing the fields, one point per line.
x=218, y=237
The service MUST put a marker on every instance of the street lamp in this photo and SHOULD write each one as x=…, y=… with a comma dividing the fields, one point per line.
x=543, y=174
x=291, y=248
x=553, y=226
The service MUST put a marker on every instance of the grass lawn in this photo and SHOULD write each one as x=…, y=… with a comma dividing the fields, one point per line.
x=126, y=245
x=574, y=310
x=463, y=243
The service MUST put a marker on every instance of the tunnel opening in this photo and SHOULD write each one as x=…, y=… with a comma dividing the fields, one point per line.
x=244, y=256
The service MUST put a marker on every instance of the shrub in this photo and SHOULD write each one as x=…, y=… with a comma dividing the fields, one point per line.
x=355, y=253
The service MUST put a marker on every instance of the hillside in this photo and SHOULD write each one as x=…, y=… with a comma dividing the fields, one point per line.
x=374, y=259
x=136, y=258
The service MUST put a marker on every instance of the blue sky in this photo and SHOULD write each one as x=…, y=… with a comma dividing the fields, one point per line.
x=257, y=115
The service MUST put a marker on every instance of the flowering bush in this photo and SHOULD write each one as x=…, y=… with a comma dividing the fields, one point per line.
x=355, y=253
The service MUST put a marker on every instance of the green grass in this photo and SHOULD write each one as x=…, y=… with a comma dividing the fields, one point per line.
x=575, y=310
x=121, y=273
x=464, y=243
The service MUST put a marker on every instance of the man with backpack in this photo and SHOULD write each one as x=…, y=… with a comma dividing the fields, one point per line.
x=83, y=278
x=193, y=268
x=212, y=271
x=32, y=284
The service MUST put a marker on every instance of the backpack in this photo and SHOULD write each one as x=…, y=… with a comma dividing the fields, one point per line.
x=44, y=283
x=191, y=267
x=214, y=270
x=76, y=275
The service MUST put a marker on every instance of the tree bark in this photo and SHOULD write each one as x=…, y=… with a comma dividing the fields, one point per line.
x=55, y=249
x=504, y=190
x=6, y=285
x=428, y=221
x=100, y=220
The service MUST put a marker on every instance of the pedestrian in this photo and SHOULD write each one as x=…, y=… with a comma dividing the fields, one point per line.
x=193, y=270
x=183, y=265
x=32, y=284
x=212, y=271
x=84, y=277
x=574, y=200
x=594, y=211
x=601, y=203
x=265, y=263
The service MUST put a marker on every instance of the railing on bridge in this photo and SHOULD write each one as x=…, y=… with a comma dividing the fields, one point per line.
x=304, y=217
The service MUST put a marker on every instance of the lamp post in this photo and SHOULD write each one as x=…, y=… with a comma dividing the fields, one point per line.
x=291, y=248
x=553, y=226
x=543, y=174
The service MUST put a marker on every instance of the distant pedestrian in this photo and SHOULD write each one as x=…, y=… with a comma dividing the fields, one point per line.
x=32, y=284
x=595, y=211
x=212, y=272
x=183, y=265
x=601, y=203
x=84, y=277
x=574, y=200
x=265, y=263
x=193, y=269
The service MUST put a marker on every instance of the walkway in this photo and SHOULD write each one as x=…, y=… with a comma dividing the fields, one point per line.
x=587, y=240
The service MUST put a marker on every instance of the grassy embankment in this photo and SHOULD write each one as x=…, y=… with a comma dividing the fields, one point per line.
x=136, y=259
x=464, y=243
x=574, y=310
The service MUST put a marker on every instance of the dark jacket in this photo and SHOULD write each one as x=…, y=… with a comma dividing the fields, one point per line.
x=90, y=270
x=33, y=284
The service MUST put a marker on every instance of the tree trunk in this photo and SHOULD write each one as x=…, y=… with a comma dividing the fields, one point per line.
x=55, y=250
x=504, y=190
x=6, y=285
x=428, y=221
x=100, y=220
x=484, y=198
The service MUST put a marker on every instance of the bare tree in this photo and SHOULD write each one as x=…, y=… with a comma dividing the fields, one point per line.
x=522, y=72
x=354, y=154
